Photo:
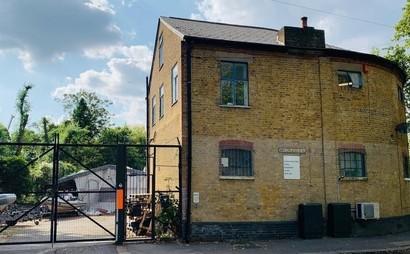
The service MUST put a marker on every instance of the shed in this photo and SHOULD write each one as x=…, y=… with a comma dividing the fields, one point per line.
x=102, y=199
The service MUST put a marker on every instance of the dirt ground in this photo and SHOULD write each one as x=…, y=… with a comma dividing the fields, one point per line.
x=68, y=228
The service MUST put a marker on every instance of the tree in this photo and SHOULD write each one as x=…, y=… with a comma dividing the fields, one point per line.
x=399, y=52
x=45, y=126
x=4, y=137
x=23, y=109
x=88, y=111
x=124, y=135
x=403, y=27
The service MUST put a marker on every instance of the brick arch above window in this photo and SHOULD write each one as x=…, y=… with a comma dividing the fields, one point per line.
x=235, y=144
x=359, y=148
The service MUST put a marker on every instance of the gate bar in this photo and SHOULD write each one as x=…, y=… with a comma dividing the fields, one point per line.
x=121, y=187
x=153, y=195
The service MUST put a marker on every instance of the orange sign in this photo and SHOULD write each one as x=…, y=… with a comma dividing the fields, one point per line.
x=120, y=199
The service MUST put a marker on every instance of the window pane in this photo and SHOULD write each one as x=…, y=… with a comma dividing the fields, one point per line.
x=226, y=92
x=153, y=105
x=241, y=72
x=406, y=167
x=160, y=53
x=343, y=78
x=352, y=164
x=239, y=162
x=174, y=83
x=161, y=101
x=356, y=78
x=241, y=93
x=226, y=70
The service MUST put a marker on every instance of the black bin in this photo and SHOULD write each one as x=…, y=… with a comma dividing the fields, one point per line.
x=339, y=220
x=310, y=220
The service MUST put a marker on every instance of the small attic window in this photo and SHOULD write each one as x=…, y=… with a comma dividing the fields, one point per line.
x=350, y=78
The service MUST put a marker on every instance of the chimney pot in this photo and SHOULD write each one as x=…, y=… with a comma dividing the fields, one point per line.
x=304, y=22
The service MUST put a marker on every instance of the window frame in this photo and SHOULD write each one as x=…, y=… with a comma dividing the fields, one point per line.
x=174, y=84
x=237, y=146
x=342, y=170
x=153, y=110
x=400, y=94
x=221, y=79
x=406, y=167
x=161, y=101
x=339, y=71
x=161, y=51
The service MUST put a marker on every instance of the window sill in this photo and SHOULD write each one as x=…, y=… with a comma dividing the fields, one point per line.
x=236, y=178
x=354, y=179
x=407, y=179
x=234, y=106
x=173, y=103
x=160, y=66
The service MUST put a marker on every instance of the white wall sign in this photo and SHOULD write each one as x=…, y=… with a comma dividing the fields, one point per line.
x=196, y=197
x=291, y=167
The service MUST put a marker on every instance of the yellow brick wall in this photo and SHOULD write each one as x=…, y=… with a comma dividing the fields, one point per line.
x=286, y=95
x=168, y=129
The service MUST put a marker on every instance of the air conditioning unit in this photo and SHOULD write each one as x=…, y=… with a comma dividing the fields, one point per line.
x=367, y=211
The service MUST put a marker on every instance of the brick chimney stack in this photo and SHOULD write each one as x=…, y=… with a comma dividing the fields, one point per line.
x=302, y=37
x=304, y=22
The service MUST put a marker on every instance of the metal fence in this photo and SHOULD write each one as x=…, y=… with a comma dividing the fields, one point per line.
x=89, y=192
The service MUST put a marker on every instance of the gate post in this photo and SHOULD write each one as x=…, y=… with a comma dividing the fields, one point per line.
x=121, y=187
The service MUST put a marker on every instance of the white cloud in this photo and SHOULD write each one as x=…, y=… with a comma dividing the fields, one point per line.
x=132, y=110
x=235, y=11
x=140, y=54
x=348, y=33
x=122, y=81
x=102, y=5
x=44, y=30
x=128, y=3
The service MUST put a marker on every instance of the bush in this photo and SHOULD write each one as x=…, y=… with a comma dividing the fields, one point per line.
x=14, y=175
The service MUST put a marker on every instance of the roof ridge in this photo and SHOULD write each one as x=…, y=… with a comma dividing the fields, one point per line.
x=220, y=23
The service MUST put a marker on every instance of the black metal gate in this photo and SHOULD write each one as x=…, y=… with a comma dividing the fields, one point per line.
x=90, y=192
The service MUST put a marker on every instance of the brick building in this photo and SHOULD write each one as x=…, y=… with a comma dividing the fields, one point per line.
x=269, y=119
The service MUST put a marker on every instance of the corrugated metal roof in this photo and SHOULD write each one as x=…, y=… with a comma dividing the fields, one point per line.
x=228, y=32
x=84, y=172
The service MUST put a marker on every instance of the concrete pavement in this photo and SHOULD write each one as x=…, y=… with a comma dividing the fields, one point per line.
x=399, y=243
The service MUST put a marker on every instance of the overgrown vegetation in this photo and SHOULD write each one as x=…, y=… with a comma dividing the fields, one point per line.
x=168, y=218
x=88, y=121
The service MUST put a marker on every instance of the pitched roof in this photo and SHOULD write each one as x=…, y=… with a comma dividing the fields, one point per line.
x=84, y=172
x=222, y=31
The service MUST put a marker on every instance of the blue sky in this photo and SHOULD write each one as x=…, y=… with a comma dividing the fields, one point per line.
x=106, y=45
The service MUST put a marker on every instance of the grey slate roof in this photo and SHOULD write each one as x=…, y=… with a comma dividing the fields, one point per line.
x=229, y=32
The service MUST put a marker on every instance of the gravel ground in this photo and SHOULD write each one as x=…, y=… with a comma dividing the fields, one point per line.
x=68, y=228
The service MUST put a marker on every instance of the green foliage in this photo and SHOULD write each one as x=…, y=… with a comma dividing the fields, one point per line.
x=88, y=123
x=41, y=173
x=399, y=52
x=71, y=133
x=14, y=175
x=45, y=124
x=125, y=135
x=4, y=137
x=23, y=109
x=168, y=218
x=87, y=111
x=403, y=26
